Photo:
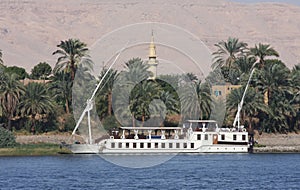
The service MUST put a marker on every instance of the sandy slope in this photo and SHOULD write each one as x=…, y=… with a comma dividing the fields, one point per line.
x=31, y=29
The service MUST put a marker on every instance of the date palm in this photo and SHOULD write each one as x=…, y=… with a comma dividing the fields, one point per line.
x=72, y=52
x=273, y=78
x=295, y=80
x=105, y=92
x=61, y=89
x=227, y=52
x=125, y=101
x=195, y=100
x=262, y=51
x=11, y=91
x=252, y=107
x=36, y=101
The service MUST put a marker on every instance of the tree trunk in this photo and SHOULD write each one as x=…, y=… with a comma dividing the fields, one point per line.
x=133, y=120
x=33, y=124
x=143, y=120
x=73, y=70
x=109, y=106
x=67, y=106
x=9, y=124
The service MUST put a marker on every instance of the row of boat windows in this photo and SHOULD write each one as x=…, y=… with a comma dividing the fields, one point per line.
x=152, y=145
x=222, y=137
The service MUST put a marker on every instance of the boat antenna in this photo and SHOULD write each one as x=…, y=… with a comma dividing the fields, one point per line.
x=240, y=105
x=89, y=103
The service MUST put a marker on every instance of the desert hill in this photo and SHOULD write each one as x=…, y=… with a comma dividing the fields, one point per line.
x=31, y=29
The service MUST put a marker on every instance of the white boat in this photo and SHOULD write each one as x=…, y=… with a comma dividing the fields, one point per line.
x=195, y=136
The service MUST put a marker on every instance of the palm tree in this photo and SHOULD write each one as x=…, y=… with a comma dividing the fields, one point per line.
x=195, y=100
x=61, y=89
x=252, y=107
x=228, y=51
x=273, y=81
x=203, y=92
x=11, y=91
x=295, y=100
x=72, y=53
x=36, y=102
x=274, y=78
x=107, y=88
x=123, y=99
x=262, y=51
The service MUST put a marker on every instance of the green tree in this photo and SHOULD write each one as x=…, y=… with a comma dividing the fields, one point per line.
x=105, y=93
x=72, y=52
x=227, y=52
x=41, y=71
x=127, y=82
x=295, y=99
x=273, y=81
x=262, y=51
x=252, y=107
x=11, y=91
x=273, y=78
x=7, y=139
x=19, y=71
x=141, y=98
x=36, y=103
x=61, y=89
x=196, y=100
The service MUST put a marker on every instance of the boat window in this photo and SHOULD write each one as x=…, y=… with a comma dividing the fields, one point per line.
x=243, y=137
x=142, y=145
x=120, y=145
x=192, y=145
x=127, y=145
x=206, y=137
x=184, y=145
x=177, y=145
x=234, y=137
x=156, y=145
x=170, y=145
x=149, y=145
x=223, y=137
x=134, y=145
x=112, y=145
x=163, y=145
x=199, y=137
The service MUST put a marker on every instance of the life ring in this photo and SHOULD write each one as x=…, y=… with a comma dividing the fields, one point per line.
x=244, y=130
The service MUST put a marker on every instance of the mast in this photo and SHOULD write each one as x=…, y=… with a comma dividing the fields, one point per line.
x=89, y=102
x=240, y=105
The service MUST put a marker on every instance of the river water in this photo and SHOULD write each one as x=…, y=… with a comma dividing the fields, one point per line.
x=203, y=171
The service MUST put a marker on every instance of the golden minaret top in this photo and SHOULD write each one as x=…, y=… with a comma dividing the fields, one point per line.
x=152, y=50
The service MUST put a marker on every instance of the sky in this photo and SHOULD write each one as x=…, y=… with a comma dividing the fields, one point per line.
x=294, y=2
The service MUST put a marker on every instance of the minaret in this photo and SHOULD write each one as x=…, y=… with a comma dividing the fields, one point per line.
x=152, y=62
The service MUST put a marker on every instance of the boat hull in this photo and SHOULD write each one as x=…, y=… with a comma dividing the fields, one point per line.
x=83, y=148
x=97, y=149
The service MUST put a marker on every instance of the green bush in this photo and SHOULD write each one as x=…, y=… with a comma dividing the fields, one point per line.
x=69, y=123
x=7, y=139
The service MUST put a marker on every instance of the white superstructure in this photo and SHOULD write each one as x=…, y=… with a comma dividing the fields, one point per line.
x=195, y=136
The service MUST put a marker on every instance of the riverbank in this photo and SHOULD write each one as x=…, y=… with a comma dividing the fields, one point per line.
x=277, y=143
x=49, y=144
x=42, y=149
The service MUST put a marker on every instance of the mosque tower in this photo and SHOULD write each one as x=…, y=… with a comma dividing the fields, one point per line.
x=152, y=62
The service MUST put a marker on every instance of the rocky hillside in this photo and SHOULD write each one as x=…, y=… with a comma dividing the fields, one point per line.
x=31, y=29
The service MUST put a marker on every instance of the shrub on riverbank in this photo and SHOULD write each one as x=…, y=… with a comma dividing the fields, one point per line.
x=7, y=139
